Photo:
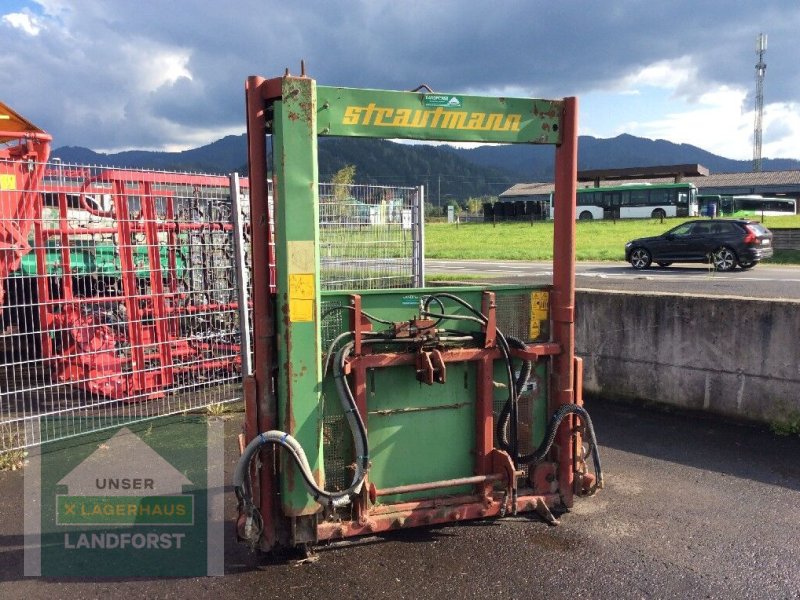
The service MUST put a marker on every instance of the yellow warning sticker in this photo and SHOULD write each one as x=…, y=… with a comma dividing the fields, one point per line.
x=8, y=181
x=301, y=297
x=540, y=311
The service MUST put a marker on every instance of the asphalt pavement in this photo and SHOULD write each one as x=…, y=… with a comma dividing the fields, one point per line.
x=693, y=508
x=763, y=281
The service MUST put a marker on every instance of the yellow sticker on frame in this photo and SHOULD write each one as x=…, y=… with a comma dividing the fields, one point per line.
x=301, y=297
x=540, y=311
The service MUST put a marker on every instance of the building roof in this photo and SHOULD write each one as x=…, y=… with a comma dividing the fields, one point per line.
x=628, y=173
x=786, y=181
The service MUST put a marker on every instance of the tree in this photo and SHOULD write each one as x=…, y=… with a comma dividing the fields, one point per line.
x=474, y=205
x=342, y=180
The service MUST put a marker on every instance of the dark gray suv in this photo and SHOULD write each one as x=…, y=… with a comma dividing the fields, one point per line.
x=725, y=243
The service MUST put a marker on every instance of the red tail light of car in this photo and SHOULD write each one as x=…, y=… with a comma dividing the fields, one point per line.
x=751, y=239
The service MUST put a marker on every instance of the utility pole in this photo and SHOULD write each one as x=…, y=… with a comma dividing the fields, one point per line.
x=761, y=69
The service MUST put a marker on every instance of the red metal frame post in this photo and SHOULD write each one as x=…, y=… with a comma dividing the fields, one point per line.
x=264, y=406
x=121, y=196
x=162, y=339
x=484, y=420
x=563, y=296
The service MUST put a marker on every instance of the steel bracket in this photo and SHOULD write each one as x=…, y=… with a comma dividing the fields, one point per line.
x=430, y=366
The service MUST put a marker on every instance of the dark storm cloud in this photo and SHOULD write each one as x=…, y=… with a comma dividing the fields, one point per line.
x=116, y=74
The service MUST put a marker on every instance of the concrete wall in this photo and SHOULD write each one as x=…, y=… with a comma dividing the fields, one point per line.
x=738, y=357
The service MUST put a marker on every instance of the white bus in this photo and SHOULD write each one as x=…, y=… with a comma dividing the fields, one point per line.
x=751, y=206
x=636, y=201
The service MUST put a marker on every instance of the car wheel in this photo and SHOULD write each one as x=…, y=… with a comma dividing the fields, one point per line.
x=746, y=264
x=658, y=214
x=640, y=258
x=664, y=264
x=585, y=216
x=724, y=259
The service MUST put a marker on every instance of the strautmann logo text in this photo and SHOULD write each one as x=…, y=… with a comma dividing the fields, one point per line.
x=441, y=117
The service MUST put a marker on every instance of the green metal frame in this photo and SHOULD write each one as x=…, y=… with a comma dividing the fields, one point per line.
x=287, y=336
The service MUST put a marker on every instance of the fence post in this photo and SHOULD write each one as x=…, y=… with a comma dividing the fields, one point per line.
x=242, y=278
x=418, y=232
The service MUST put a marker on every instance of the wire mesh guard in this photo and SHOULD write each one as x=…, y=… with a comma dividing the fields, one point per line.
x=120, y=289
x=367, y=236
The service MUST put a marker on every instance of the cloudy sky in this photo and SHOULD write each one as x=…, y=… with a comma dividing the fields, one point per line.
x=169, y=74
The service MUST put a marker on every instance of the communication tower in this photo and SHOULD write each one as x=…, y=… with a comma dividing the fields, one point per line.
x=761, y=68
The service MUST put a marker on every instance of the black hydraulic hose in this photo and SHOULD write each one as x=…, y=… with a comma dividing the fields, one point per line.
x=295, y=450
x=510, y=410
x=540, y=453
x=241, y=482
x=333, y=309
x=331, y=348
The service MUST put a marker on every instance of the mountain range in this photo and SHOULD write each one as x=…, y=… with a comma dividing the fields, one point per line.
x=446, y=171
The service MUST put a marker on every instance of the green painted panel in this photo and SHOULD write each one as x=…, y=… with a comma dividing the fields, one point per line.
x=446, y=117
x=89, y=258
x=297, y=273
x=419, y=432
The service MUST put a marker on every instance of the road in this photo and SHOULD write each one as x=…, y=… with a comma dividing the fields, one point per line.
x=693, y=508
x=763, y=281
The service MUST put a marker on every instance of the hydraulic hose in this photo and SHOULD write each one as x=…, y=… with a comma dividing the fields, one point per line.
x=510, y=408
x=540, y=453
x=296, y=452
x=508, y=417
x=510, y=411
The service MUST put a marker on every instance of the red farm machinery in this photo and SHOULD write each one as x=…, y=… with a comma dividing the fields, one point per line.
x=378, y=410
x=119, y=283
x=24, y=150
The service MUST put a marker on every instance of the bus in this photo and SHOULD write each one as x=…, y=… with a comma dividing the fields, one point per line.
x=636, y=201
x=748, y=206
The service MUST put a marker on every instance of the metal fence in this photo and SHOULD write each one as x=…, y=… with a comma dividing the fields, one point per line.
x=123, y=291
x=370, y=236
x=123, y=304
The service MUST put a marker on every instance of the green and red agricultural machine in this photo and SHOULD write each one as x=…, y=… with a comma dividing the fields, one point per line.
x=112, y=277
x=379, y=410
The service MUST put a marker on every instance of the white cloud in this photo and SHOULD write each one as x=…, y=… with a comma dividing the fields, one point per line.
x=665, y=74
x=668, y=100
x=716, y=123
x=781, y=125
x=24, y=22
x=164, y=65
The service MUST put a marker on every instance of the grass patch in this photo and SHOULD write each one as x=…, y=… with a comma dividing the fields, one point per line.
x=447, y=277
x=523, y=240
x=784, y=257
x=217, y=409
x=10, y=460
x=595, y=240
x=788, y=424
